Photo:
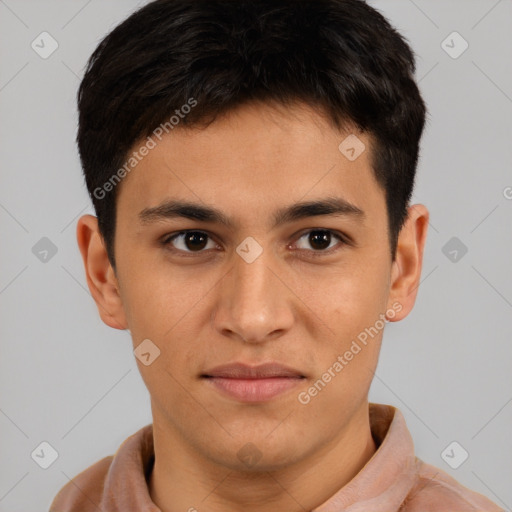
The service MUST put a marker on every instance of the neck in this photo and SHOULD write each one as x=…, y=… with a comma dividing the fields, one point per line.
x=183, y=480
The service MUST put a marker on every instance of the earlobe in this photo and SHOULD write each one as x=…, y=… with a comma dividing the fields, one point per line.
x=406, y=269
x=101, y=278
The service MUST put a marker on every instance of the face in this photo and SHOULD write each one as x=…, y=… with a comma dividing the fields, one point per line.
x=286, y=263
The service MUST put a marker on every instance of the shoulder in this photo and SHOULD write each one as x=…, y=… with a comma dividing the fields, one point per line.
x=437, y=490
x=84, y=492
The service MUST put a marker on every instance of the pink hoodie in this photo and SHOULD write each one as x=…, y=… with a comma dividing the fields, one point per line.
x=393, y=480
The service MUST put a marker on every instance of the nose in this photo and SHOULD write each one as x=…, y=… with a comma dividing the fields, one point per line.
x=254, y=303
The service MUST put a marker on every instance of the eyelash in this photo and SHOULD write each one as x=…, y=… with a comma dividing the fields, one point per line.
x=343, y=240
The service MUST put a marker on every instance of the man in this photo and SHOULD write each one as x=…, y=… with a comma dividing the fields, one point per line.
x=281, y=138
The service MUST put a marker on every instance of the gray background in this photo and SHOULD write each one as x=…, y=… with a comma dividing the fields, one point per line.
x=67, y=379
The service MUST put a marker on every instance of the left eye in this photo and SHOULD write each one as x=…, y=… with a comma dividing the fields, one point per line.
x=319, y=239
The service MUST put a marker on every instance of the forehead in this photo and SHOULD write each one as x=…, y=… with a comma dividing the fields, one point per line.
x=253, y=157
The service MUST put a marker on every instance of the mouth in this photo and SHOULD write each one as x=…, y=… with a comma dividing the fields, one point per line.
x=246, y=383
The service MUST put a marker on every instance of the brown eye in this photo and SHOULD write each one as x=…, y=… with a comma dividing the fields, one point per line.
x=319, y=240
x=189, y=241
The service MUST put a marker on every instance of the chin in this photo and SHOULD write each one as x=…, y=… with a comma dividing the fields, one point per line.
x=257, y=456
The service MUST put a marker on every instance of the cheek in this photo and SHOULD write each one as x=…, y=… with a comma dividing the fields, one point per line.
x=153, y=302
x=353, y=301
x=170, y=375
x=354, y=310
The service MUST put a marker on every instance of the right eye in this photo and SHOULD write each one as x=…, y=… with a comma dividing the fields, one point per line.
x=188, y=241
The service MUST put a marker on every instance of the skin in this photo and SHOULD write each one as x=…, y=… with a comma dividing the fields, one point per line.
x=212, y=307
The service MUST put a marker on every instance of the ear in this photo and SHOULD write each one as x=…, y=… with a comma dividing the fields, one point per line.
x=101, y=277
x=406, y=269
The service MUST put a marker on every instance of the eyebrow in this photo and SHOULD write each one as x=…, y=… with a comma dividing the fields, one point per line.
x=169, y=209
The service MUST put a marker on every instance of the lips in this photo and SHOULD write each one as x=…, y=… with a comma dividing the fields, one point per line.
x=246, y=383
x=243, y=371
